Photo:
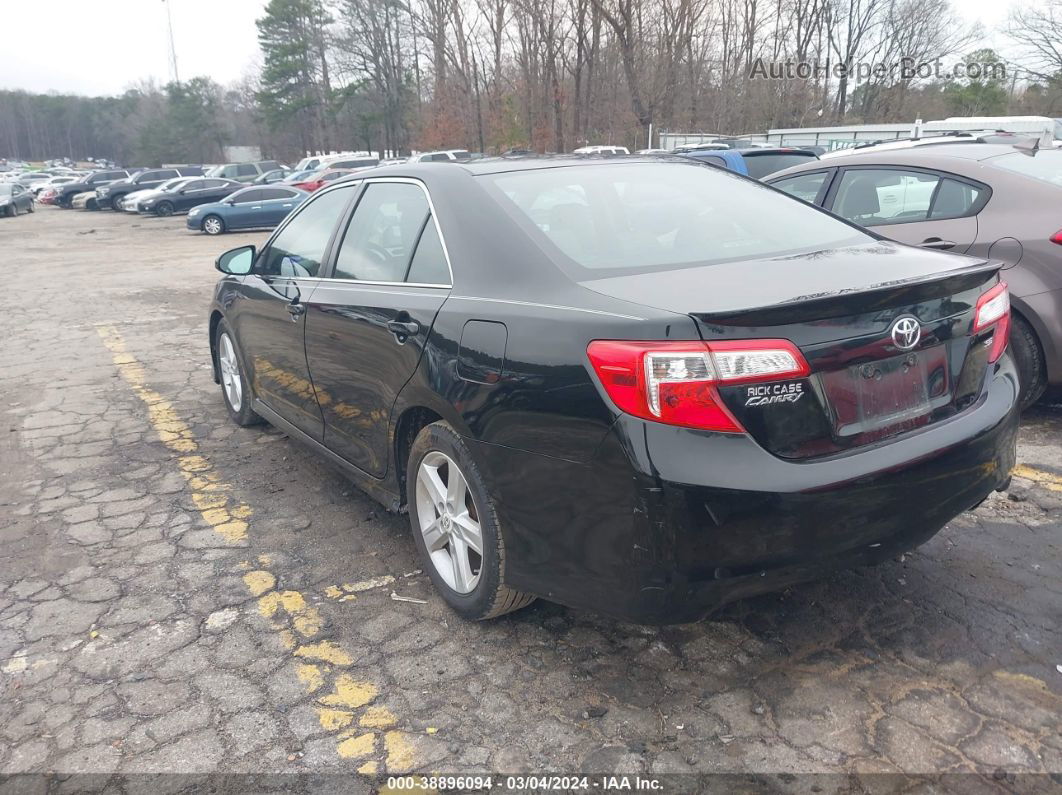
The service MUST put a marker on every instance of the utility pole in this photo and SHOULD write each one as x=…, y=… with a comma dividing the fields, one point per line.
x=173, y=48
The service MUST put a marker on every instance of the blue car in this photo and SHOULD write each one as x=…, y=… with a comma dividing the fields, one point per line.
x=257, y=207
x=755, y=163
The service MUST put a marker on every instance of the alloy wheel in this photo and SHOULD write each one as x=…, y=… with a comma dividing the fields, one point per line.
x=449, y=522
x=230, y=372
x=212, y=225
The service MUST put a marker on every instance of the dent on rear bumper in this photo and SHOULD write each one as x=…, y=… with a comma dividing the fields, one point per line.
x=665, y=524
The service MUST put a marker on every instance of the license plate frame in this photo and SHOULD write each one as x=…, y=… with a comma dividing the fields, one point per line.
x=874, y=395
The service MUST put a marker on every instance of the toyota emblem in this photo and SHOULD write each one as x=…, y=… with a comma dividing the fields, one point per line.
x=906, y=332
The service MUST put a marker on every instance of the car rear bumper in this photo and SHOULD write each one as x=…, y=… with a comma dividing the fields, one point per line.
x=667, y=524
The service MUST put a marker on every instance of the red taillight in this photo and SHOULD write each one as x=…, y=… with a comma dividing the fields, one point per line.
x=677, y=382
x=993, y=311
x=1057, y=237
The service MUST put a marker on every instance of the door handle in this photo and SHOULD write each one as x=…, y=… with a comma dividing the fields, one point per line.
x=403, y=328
x=296, y=310
x=936, y=242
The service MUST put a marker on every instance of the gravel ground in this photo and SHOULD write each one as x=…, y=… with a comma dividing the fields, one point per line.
x=179, y=595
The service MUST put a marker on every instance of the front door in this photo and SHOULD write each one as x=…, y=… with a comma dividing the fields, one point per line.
x=367, y=324
x=271, y=320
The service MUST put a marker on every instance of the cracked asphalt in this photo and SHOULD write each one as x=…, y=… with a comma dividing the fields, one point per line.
x=179, y=595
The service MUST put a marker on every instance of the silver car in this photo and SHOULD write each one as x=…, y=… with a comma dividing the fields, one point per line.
x=988, y=200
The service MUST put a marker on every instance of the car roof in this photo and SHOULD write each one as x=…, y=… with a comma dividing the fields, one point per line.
x=944, y=156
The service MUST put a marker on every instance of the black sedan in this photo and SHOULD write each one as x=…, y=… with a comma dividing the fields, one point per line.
x=641, y=387
x=188, y=195
x=15, y=199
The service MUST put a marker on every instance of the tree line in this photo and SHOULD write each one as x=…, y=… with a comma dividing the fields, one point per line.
x=550, y=75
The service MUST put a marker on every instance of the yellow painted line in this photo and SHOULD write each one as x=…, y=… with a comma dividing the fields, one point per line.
x=344, y=703
x=1048, y=480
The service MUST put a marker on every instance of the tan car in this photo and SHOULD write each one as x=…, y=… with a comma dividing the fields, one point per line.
x=998, y=201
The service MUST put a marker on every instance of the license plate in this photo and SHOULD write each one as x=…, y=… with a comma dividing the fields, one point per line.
x=867, y=397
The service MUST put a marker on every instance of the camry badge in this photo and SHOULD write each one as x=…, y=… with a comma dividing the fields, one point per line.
x=906, y=332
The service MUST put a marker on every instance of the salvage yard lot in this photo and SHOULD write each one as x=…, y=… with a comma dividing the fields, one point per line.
x=179, y=594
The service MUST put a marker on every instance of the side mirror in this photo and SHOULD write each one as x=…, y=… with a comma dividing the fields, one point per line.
x=237, y=261
x=229, y=202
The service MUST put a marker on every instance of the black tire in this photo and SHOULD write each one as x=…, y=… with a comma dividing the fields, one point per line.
x=12, y=210
x=115, y=202
x=211, y=228
x=164, y=209
x=32, y=208
x=243, y=415
x=1029, y=358
x=490, y=597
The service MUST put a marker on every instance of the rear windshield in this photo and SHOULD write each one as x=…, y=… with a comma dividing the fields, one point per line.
x=620, y=218
x=760, y=166
x=1045, y=165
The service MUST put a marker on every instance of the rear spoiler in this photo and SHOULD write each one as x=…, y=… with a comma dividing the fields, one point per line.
x=856, y=301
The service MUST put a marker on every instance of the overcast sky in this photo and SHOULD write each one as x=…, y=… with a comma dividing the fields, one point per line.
x=104, y=47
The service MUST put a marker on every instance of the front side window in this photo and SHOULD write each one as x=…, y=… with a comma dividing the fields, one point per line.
x=872, y=197
x=247, y=196
x=300, y=246
x=620, y=218
x=803, y=186
x=246, y=170
x=383, y=232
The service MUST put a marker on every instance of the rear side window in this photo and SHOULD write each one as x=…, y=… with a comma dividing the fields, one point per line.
x=266, y=194
x=246, y=170
x=803, y=186
x=619, y=218
x=955, y=199
x=873, y=197
x=760, y=166
x=383, y=232
x=429, y=261
x=299, y=247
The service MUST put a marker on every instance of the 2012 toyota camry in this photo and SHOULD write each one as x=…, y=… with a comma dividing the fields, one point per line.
x=643, y=387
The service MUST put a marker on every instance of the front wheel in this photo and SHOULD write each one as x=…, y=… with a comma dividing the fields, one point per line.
x=455, y=526
x=164, y=209
x=12, y=210
x=31, y=206
x=234, y=386
x=213, y=225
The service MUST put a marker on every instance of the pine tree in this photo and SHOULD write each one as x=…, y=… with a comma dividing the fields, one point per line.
x=295, y=85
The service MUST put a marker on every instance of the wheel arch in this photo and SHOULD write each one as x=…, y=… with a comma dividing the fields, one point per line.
x=410, y=422
x=1043, y=337
x=215, y=320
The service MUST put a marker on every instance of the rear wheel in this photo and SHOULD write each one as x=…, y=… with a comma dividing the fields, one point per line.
x=213, y=225
x=31, y=206
x=455, y=526
x=234, y=386
x=12, y=210
x=164, y=209
x=1029, y=358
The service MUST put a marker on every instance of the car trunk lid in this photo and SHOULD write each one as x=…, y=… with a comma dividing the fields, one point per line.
x=886, y=355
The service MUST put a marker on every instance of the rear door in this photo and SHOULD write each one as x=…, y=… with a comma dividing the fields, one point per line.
x=368, y=322
x=919, y=207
